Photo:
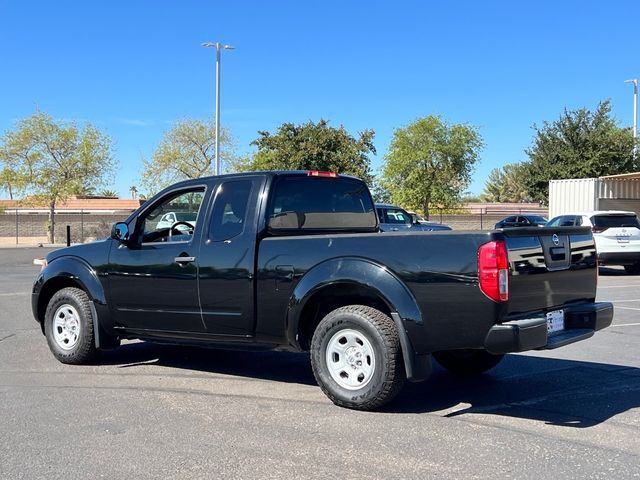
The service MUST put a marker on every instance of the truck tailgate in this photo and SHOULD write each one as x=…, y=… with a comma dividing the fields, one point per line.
x=550, y=267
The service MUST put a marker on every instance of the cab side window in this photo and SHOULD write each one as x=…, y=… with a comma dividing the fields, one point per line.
x=229, y=210
x=395, y=215
x=174, y=218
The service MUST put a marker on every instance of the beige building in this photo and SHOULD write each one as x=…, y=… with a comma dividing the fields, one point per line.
x=612, y=192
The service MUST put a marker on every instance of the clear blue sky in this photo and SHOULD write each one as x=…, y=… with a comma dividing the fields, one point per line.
x=134, y=67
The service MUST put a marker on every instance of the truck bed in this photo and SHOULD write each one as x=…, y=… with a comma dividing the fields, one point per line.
x=440, y=269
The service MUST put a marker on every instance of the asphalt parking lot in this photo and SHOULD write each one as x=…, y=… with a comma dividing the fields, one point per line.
x=153, y=411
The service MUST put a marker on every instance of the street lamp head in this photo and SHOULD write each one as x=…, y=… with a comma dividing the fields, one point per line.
x=218, y=46
x=634, y=81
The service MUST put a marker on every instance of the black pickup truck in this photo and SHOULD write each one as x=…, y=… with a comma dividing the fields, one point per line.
x=295, y=261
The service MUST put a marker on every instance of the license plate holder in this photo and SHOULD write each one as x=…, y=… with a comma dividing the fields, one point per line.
x=555, y=322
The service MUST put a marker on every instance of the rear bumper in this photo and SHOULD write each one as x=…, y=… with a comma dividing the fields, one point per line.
x=618, y=258
x=580, y=323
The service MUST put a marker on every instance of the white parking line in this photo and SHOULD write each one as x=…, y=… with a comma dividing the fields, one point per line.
x=621, y=301
x=625, y=325
x=13, y=294
x=620, y=286
x=629, y=308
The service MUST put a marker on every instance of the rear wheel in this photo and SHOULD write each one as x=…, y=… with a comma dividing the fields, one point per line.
x=356, y=357
x=68, y=326
x=633, y=269
x=467, y=362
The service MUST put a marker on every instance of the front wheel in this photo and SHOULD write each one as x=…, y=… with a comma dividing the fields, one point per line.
x=68, y=326
x=467, y=362
x=356, y=357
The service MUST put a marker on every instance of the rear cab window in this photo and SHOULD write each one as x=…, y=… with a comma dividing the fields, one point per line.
x=307, y=204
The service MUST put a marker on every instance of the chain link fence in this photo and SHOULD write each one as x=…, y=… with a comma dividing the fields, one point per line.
x=21, y=228
x=481, y=219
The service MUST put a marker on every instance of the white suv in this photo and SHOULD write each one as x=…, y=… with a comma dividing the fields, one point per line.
x=617, y=235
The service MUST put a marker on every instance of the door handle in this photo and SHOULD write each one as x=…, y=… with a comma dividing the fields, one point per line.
x=184, y=259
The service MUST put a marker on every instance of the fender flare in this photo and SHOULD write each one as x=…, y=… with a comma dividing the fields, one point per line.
x=80, y=272
x=378, y=278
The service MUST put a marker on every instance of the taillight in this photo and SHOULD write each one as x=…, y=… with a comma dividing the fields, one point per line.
x=317, y=173
x=597, y=229
x=493, y=270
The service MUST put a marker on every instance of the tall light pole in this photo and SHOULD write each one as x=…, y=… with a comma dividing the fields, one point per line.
x=635, y=112
x=218, y=46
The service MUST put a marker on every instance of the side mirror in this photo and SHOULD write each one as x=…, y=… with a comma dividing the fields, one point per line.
x=120, y=232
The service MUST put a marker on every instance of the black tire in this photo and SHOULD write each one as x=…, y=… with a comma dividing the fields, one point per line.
x=467, y=362
x=80, y=347
x=387, y=374
x=633, y=269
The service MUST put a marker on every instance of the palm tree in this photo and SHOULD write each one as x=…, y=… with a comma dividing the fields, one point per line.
x=109, y=193
x=134, y=191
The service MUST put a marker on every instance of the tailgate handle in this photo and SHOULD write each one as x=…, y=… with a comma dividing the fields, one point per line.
x=556, y=249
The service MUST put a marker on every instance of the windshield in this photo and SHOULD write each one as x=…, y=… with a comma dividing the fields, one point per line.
x=536, y=219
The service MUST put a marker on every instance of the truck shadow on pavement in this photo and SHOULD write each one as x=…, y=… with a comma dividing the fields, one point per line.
x=614, y=272
x=263, y=364
x=556, y=391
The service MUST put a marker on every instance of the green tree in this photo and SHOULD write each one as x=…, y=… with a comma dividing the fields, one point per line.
x=54, y=160
x=186, y=151
x=580, y=144
x=507, y=184
x=134, y=191
x=468, y=197
x=9, y=180
x=430, y=162
x=313, y=146
x=379, y=193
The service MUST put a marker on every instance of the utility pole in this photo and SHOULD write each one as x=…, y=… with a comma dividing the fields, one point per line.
x=218, y=46
x=635, y=113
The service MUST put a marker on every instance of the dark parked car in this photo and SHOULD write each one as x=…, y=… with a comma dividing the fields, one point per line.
x=295, y=261
x=523, y=220
x=396, y=219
